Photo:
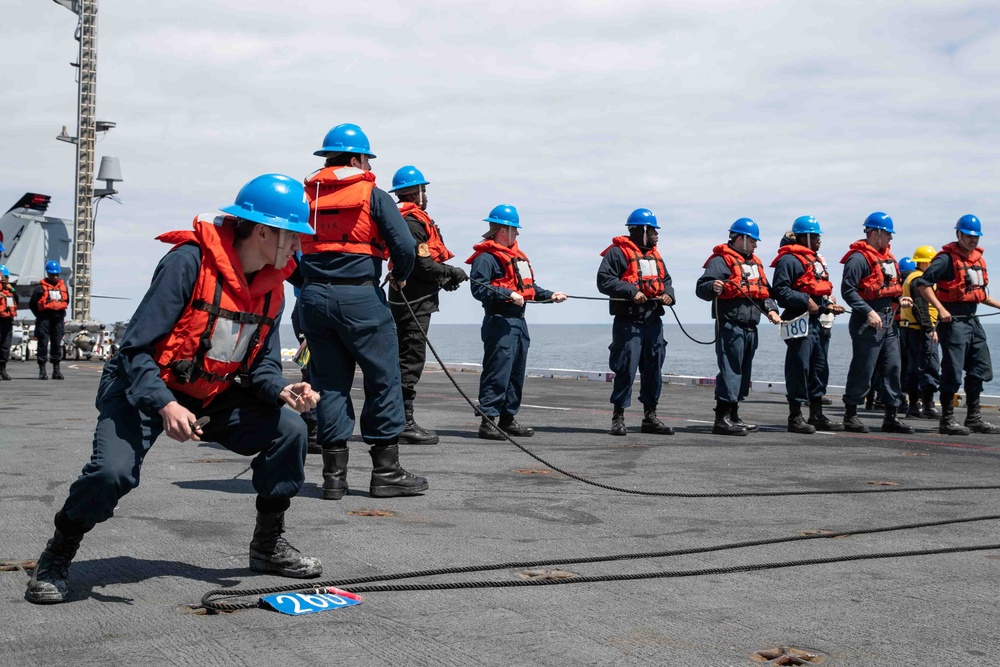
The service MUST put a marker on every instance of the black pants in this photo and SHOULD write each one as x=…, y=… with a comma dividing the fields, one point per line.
x=923, y=361
x=412, y=351
x=6, y=335
x=49, y=332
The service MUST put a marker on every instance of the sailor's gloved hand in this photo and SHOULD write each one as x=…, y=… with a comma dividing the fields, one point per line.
x=456, y=277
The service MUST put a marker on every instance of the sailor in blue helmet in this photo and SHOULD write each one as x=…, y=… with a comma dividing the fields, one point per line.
x=872, y=288
x=430, y=275
x=503, y=280
x=201, y=359
x=49, y=303
x=633, y=271
x=801, y=285
x=8, y=311
x=959, y=272
x=735, y=282
x=345, y=315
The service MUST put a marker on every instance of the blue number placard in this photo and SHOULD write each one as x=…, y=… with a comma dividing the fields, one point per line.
x=321, y=599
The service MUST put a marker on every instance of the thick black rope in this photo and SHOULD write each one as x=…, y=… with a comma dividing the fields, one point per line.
x=355, y=583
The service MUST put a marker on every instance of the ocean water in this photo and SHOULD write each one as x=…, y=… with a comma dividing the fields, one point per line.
x=585, y=347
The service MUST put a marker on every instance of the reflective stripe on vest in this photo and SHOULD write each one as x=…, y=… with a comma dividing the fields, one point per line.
x=435, y=244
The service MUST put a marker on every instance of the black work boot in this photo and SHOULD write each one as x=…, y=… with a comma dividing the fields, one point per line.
x=389, y=479
x=948, y=425
x=928, y=411
x=913, y=410
x=892, y=424
x=796, y=422
x=312, y=427
x=723, y=424
x=851, y=421
x=508, y=424
x=488, y=430
x=50, y=583
x=3, y=371
x=415, y=434
x=56, y=375
x=270, y=551
x=651, y=424
x=820, y=421
x=974, y=419
x=335, y=471
x=42, y=375
x=618, y=422
x=734, y=416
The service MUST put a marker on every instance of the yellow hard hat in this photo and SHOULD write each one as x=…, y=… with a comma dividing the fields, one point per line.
x=924, y=253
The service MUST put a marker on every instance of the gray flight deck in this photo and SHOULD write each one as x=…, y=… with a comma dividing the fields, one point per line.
x=185, y=530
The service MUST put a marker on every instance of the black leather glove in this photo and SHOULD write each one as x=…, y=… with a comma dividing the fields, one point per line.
x=456, y=277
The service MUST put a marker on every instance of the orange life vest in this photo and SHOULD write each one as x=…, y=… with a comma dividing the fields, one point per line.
x=815, y=281
x=645, y=270
x=746, y=277
x=8, y=302
x=340, y=201
x=435, y=244
x=883, y=278
x=517, y=272
x=224, y=325
x=970, y=280
x=54, y=297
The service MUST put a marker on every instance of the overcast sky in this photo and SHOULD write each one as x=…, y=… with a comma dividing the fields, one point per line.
x=574, y=112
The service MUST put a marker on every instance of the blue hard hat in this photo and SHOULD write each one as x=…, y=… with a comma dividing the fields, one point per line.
x=806, y=224
x=906, y=265
x=4, y=271
x=274, y=200
x=745, y=226
x=970, y=225
x=346, y=138
x=52, y=267
x=504, y=214
x=642, y=216
x=407, y=177
x=1, y=247
x=879, y=220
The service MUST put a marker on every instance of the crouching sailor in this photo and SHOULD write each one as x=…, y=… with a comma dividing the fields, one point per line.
x=735, y=283
x=633, y=272
x=801, y=285
x=203, y=343
x=503, y=280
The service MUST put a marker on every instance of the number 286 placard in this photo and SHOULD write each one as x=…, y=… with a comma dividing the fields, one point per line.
x=323, y=599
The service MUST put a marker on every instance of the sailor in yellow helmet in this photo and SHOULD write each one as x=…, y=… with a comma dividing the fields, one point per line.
x=918, y=326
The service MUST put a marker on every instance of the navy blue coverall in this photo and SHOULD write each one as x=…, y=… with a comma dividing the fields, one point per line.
x=963, y=341
x=806, y=368
x=736, y=342
x=345, y=317
x=505, y=340
x=637, y=342
x=249, y=421
x=870, y=347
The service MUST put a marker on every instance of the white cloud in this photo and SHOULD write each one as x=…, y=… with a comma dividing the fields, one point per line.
x=576, y=112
